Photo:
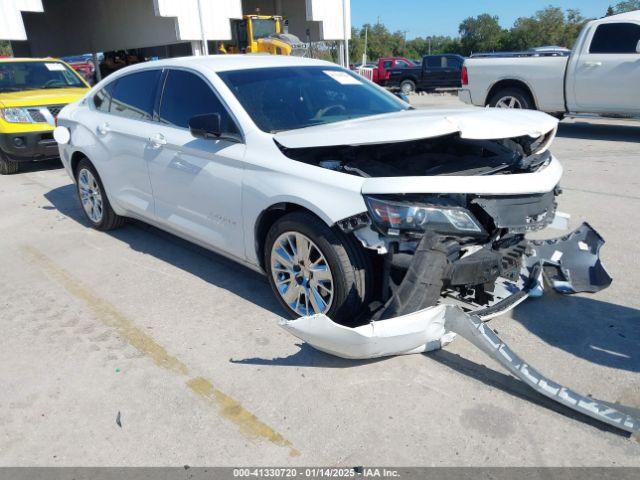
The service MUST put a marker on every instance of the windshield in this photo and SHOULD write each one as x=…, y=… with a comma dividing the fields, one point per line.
x=288, y=98
x=263, y=28
x=19, y=76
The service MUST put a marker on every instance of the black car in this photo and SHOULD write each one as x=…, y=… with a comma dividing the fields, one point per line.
x=436, y=71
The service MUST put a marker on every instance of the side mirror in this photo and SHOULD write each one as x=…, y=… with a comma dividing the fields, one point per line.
x=209, y=127
x=206, y=126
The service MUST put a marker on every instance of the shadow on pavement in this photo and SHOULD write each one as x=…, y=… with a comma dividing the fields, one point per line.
x=598, y=131
x=307, y=356
x=41, y=166
x=600, y=332
x=210, y=267
x=512, y=386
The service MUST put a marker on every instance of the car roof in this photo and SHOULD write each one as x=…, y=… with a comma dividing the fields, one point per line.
x=222, y=63
x=633, y=15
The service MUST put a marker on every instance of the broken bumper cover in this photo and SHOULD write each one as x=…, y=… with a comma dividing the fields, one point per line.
x=575, y=257
x=417, y=332
x=571, y=263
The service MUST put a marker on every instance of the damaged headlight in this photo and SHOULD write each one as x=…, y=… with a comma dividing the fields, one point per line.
x=394, y=217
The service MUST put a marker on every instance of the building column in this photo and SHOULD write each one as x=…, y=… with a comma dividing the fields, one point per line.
x=196, y=48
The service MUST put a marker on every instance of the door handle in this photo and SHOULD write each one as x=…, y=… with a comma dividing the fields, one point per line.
x=592, y=64
x=157, y=141
x=103, y=129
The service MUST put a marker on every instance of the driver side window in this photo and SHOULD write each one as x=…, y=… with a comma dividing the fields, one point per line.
x=187, y=95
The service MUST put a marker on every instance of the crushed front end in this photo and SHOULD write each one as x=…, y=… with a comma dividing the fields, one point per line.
x=448, y=223
x=471, y=251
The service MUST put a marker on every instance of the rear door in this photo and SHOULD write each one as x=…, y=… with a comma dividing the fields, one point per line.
x=432, y=71
x=196, y=182
x=606, y=75
x=123, y=123
x=451, y=72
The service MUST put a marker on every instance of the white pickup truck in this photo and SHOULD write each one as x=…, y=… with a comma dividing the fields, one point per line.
x=600, y=76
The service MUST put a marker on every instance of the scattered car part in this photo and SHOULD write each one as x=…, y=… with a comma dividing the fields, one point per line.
x=571, y=264
x=432, y=329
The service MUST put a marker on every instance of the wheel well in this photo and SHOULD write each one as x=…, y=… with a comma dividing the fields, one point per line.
x=510, y=84
x=75, y=160
x=266, y=220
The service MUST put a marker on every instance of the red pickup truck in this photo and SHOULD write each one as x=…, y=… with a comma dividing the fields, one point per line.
x=380, y=72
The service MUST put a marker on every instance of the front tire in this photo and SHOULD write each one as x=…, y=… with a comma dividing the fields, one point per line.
x=7, y=167
x=407, y=87
x=313, y=269
x=511, y=97
x=93, y=198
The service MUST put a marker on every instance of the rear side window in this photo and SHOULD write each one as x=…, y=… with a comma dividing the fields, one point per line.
x=615, y=38
x=102, y=99
x=454, y=62
x=387, y=64
x=187, y=95
x=134, y=95
x=433, y=62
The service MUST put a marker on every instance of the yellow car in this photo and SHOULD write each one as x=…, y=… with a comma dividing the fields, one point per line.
x=32, y=93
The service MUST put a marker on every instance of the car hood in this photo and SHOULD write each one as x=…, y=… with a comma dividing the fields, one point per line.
x=408, y=125
x=31, y=98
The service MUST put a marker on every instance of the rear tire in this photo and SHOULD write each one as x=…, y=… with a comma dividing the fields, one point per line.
x=512, y=97
x=346, y=286
x=93, y=198
x=407, y=87
x=8, y=167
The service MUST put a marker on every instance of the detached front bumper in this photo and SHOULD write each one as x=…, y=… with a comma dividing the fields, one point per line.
x=570, y=264
x=29, y=146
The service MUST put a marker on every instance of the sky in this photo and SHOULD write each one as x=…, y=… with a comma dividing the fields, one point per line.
x=421, y=18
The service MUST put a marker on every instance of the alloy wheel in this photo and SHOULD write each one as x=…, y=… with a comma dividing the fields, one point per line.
x=508, y=102
x=90, y=195
x=301, y=274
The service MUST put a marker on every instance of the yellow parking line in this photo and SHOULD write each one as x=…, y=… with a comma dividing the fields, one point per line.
x=228, y=407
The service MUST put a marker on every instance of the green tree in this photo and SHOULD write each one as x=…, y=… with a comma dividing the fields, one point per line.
x=610, y=11
x=356, y=45
x=481, y=34
x=573, y=26
x=627, y=6
x=549, y=26
x=5, y=47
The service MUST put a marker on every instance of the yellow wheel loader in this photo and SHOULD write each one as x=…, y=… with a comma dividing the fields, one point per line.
x=262, y=34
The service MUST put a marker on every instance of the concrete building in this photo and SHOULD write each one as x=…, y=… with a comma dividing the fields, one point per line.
x=69, y=27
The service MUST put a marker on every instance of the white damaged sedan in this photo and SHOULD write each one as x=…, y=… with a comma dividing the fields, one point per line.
x=383, y=230
x=354, y=204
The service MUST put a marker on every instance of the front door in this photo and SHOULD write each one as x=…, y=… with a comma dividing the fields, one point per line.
x=607, y=74
x=196, y=182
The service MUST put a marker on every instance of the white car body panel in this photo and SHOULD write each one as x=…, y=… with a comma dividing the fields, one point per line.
x=213, y=192
x=416, y=124
x=544, y=76
x=197, y=186
x=603, y=83
x=584, y=82
x=542, y=181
